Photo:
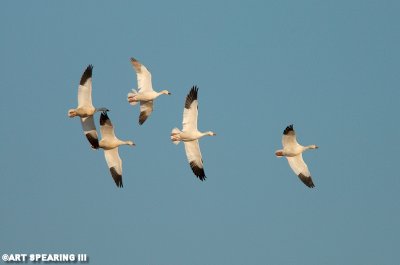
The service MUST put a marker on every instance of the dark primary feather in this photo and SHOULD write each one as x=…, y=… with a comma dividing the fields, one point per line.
x=288, y=129
x=117, y=177
x=307, y=180
x=86, y=75
x=192, y=96
x=93, y=140
x=143, y=117
x=198, y=171
x=104, y=118
x=146, y=110
x=136, y=64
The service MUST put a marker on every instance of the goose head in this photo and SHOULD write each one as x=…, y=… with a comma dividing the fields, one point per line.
x=210, y=133
x=130, y=143
x=165, y=92
x=313, y=146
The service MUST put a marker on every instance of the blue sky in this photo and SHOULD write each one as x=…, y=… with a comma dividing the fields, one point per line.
x=329, y=67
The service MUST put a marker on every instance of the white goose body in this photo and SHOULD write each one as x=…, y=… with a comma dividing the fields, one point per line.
x=187, y=136
x=190, y=135
x=145, y=94
x=293, y=151
x=108, y=144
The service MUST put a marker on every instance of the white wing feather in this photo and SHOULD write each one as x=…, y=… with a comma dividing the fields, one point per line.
x=146, y=108
x=88, y=125
x=114, y=163
x=193, y=153
x=194, y=157
x=298, y=165
x=89, y=129
x=190, y=117
x=301, y=170
x=85, y=88
x=106, y=129
x=113, y=159
x=289, y=140
x=84, y=97
x=143, y=76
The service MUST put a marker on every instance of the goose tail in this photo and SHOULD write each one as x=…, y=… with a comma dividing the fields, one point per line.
x=175, y=136
x=131, y=97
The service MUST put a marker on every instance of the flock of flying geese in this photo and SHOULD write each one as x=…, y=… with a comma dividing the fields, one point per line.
x=189, y=135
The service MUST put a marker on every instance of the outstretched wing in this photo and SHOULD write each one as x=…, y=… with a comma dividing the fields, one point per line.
x=193, y=155
x=114, y=163
x=89, y=129
x=146, y=108
x=289, y=137
x=190, y=111
x=301, y=170
x=143, y=76
x=85, y=88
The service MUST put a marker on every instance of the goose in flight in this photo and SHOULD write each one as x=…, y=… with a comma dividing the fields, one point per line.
x=292, y=150
x=85, y=109
x=190, y=135
x=110, y=143
x=145, y=94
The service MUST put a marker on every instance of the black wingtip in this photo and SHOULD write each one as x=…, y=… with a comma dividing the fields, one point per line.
x=191, y=96
x=288, y=129
x=117, y=177
x=86, y=75
x=93, y=141
x=198, y=171
x=103, y=117
x=306, y=180
x=142, y=117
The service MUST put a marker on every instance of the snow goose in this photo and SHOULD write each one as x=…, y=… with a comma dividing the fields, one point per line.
x=145, y=94
x=292, y=150
x=190, y=135
x=110, y=143
x=85, y=109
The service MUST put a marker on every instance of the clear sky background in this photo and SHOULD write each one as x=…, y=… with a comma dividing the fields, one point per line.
x=329, y=67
